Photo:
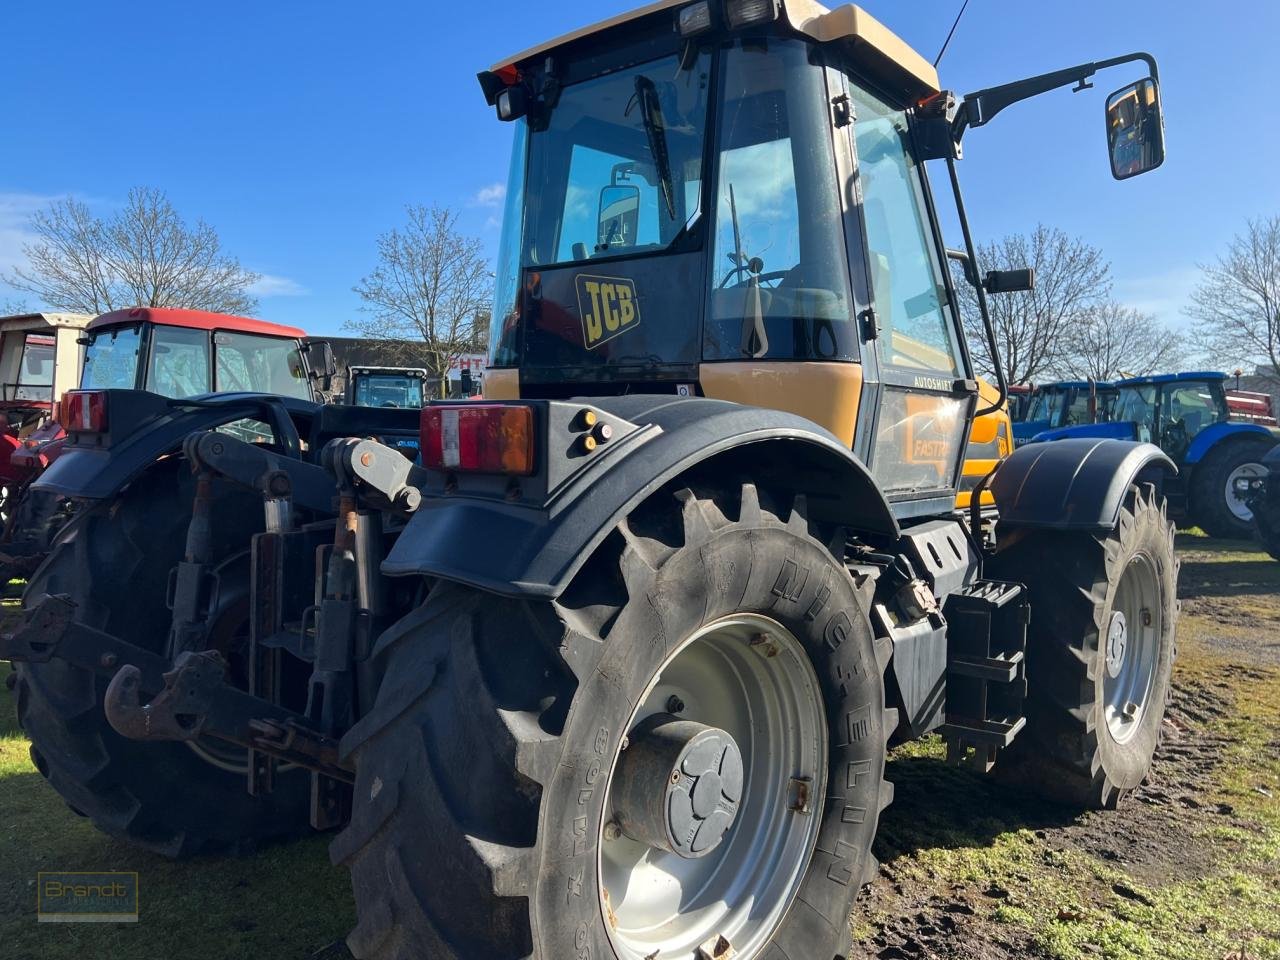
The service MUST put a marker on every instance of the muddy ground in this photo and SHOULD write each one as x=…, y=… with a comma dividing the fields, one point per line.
x=1189, y=869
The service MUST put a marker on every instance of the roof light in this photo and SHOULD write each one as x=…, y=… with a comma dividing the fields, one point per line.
x=744, y=13
x=488, y=438
x=83, y=411
x=694, y=19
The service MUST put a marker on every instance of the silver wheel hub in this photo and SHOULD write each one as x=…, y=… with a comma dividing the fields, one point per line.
x=1117, y=642
x=1235, y=503
x=1132, y=652
x=702, y=847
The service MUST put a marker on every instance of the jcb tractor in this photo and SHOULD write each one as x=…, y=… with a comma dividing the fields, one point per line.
x=613, y=672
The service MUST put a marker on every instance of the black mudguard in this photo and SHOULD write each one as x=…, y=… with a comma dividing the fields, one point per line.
x=533, y=550
x=143, y=427
x=1074, y=484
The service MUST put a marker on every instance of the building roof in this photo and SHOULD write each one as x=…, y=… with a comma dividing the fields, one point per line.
x=195, y=319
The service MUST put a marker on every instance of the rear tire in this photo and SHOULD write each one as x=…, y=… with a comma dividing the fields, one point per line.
x=114, y=562
x=485, y=771
x=1100, y=652
x=1214, y=506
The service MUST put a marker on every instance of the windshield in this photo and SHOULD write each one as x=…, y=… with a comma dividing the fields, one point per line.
x=1136, y=404
x=1045, y=406
x=388, y=390
x=246, y=363
x=618, y=164
x=111, y=359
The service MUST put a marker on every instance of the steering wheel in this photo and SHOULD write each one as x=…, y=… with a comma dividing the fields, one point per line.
x=1175, y=437
x=774, y=277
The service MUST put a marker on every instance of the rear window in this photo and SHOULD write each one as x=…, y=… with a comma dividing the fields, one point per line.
x=111, y=359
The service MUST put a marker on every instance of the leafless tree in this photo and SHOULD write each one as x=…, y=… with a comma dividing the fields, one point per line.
x=1112, y=341
x=145, y=255
x=1032, y=327
x=431, y=287
x=10, y=308
x=1238, y=300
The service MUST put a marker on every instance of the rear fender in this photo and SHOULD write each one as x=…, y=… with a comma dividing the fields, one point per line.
x=532, y=549
x=1075, y=484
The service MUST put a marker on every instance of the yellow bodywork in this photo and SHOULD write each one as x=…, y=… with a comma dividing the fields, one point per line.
x=990, y=441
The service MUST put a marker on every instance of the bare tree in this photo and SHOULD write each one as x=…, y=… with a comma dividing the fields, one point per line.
x=1032, y=327
x=1238, y=301
x=11, y=308
x=145, y=255
x=431, y=286
x=1112, y=341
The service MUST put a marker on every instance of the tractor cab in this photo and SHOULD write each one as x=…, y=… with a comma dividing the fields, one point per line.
x=39, y=360
x=728, y=200
x=1067, y=403
x=188, y=353
x=402, y=388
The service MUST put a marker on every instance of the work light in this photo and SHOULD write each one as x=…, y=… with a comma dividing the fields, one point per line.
x=744, y=13
x=694, y=19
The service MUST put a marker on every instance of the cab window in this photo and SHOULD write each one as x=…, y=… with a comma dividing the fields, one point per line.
x=778, y=268
x=256, y=364
x=179, y=362
x=906, y=276
x=1192, y=406
x=35, y=374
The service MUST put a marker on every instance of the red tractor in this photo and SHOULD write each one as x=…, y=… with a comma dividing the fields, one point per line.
x=171, y=352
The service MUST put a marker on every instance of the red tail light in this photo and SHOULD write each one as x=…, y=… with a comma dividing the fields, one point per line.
x=478, y=439
x=83, y=411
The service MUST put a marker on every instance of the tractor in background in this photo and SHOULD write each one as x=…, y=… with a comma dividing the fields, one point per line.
x=1064, y=403
x=402, y=388
x=613, y=671
x=1190, y=417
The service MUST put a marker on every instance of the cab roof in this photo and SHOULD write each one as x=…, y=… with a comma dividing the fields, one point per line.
x=42, y=321
x=1172, y=378
x=886, y=54
x=1077, y=385
x=195, y=319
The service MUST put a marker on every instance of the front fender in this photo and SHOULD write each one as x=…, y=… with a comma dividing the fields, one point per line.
x=1216, y=433
x=531, y=550
x=1074, y=484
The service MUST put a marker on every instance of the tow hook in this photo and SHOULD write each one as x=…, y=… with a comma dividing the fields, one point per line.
x=179, y=711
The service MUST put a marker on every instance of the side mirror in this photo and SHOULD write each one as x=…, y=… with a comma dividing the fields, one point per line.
x=1010, y=281
x=619, y=216
x=321, y=364
x=1135, y=129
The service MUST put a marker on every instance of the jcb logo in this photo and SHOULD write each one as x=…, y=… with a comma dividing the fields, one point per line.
x=607, y=306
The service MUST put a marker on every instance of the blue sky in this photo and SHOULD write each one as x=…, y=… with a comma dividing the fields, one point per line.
x=300, y=130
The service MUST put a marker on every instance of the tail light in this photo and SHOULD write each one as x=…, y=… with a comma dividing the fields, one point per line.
x=489, y=438
x=83, y=411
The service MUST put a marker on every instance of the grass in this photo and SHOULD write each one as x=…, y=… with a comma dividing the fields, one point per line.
x=284, y=903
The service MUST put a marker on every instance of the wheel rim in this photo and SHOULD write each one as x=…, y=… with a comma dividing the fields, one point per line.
x=1238, y=507
x=748, y=677
x=1132, y=647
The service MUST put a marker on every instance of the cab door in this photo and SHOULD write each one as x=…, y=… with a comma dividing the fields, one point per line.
x=926, y=393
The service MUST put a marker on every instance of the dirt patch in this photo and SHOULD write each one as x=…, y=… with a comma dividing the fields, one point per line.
x=975, y=870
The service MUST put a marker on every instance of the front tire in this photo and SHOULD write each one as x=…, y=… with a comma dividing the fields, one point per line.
x=492, y=816
x=1100, y=652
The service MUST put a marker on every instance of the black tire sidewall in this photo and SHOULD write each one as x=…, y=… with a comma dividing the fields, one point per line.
x=1211, y=511
x=769, y=571
x=1147, y=535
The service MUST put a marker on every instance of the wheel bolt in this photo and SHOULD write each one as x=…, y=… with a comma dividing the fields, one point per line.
x=1130, y=710
x=1146, y=617
x=612, y=831
x=675, y=704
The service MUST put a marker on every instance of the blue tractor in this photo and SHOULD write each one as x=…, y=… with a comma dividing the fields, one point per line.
x=1066, y=403
x=1187, y=416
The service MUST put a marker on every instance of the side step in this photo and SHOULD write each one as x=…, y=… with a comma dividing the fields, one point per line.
x=986, y=670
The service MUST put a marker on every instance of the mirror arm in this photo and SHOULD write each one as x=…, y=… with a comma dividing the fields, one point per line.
x=980, y=107
x=970, y=255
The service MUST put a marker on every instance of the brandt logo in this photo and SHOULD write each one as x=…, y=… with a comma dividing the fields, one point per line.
x=607, y=306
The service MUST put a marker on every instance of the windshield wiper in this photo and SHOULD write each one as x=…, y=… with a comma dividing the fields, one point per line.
x=655, y=129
